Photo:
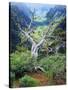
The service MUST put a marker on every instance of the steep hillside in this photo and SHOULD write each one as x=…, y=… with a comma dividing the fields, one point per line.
x=16, y=16
x=56, y=12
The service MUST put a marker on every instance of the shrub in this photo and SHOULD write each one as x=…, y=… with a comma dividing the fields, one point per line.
x=53, y=64
x=28, y=81
x=20, y=62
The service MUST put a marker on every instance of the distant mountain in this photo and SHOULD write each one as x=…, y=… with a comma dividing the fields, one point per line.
x=41, y=9
x=56, y=12
x=17, y=14
x=23, y=14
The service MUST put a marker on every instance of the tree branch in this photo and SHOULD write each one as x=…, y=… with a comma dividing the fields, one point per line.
x=31, y=30
x=27, y=35
x=32, y=19
x=43, y=39
x=47, y=36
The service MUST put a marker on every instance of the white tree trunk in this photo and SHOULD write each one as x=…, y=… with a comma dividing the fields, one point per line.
x=34, y=51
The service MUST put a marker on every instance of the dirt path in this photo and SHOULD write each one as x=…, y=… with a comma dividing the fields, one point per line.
x=40, y=77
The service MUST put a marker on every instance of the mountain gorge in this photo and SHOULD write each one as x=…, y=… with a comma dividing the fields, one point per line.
x=37, y=44
x=17, y=16
x=21, y=13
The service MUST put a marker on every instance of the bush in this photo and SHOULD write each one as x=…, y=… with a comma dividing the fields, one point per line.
x=20, y=62
x=28, y=81
x=53, y=64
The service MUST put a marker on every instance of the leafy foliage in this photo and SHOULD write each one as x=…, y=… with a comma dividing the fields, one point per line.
x=20, y=62
x=53, y=64
x=28, y=81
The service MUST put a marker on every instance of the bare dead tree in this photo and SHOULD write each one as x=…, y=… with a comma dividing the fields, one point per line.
x=35, y=46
